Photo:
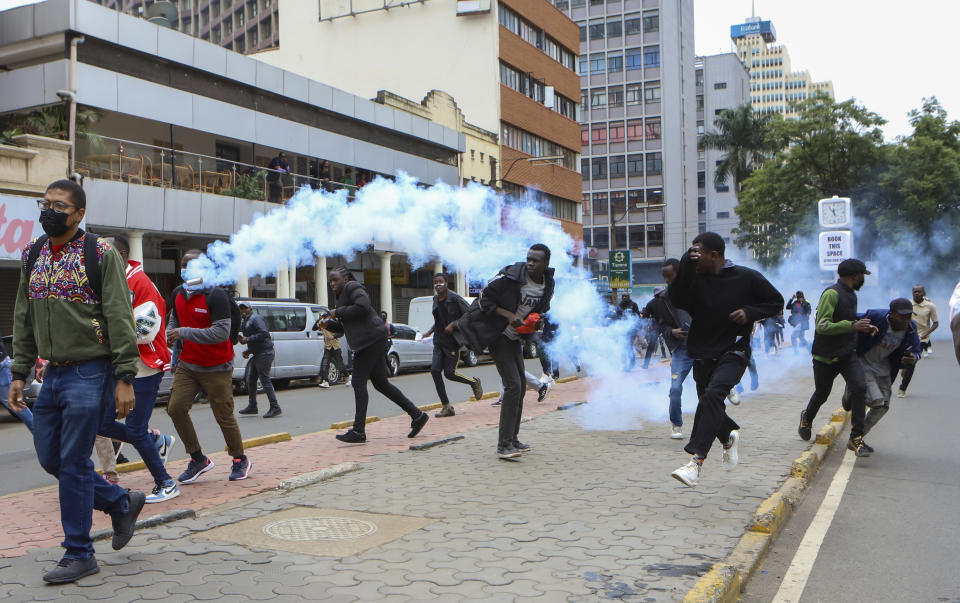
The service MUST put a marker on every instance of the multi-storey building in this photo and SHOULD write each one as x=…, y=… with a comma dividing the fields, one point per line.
x=773, y=82
x=239, y=25
x=722, y=83
x=638, y=130
x=509, y=64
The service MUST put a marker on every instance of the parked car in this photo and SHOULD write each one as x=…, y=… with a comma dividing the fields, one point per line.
x=407, y=350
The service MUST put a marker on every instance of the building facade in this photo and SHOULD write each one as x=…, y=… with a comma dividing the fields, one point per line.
x=638, y=130
x=184, y=134
x=510, y=65
x=722, y=83
x=239, y=25
x=774, y=84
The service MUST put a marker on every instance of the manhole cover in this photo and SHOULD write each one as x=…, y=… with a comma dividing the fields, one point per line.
x=306, y=529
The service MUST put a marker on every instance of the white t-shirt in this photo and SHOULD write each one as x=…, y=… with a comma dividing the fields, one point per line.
x=530, y=295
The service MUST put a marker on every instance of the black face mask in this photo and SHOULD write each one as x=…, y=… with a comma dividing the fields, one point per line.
x=53, y=222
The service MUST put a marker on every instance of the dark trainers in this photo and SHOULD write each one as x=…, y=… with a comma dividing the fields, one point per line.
x=194, y=470
x=497, y=403
x=251, y=409
x=542, y=392
x=352, y=437
x=417, y=424
x=446, y=411
x=521, y=446
x=241, y=468
x=71, y=570
x=509, y=453
x=477, y=389
x=273, y=412
x=866, y=446
x=857, y=446
x=804, y=429
x=124, y=524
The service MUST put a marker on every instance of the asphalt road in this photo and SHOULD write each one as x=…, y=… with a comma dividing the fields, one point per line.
x=894, y=534
x=306, y=409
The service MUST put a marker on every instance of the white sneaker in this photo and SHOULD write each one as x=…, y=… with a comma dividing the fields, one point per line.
x=349, y=381
x=734, y=397
x=689, y=474
x=731, y=456
x=676, y=432
x=545, y=378
x=324, y=384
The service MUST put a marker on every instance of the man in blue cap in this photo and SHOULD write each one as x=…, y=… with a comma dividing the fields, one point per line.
x=834, y=352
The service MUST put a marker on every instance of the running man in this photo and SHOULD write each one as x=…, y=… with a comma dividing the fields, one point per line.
x=724, y=300
x=448, y=307
x=925, y=315
x=834, y=352
x=799, y=319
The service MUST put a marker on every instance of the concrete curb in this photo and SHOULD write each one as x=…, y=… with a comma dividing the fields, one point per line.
x=567, y=379
x=433, y=443
x=269, y=438
x=150, y=522
x=315, y=477
x=728, y=578
x=345, y=424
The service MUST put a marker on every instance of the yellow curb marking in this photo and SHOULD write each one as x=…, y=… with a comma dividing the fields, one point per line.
x=567, y=379
x=270, y=438
x=345, y=424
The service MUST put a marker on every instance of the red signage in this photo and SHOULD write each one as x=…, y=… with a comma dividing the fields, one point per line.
x=19, y=225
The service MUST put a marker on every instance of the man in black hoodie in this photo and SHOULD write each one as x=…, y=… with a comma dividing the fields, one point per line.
x=723, y=300
x=519, y=290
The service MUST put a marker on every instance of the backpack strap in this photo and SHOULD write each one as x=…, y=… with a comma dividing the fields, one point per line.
x=91, y=261
x=34, y=254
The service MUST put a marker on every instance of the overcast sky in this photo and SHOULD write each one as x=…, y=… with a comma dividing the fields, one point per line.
x=888, y=54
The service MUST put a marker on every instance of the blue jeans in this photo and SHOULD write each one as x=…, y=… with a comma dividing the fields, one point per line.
x=680, y=365
x=67, y=414
x=135, y=428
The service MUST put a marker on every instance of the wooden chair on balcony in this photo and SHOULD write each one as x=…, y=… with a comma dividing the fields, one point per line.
x=132, y=169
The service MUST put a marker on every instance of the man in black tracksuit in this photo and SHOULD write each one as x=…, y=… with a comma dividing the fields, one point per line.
x=519, y=290
x=260, y=356
x=448, y=307
x=723, y=300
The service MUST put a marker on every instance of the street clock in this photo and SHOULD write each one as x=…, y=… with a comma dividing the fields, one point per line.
x=835, y=213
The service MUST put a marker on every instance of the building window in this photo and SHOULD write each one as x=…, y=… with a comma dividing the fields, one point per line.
x=615, y=97
x=597, y=63
x=651, y=22
x=635, y=165
x=618, y=200
x=651, y=92
x=616, y=132
x=635, y=130
x=617, y=167
x=599, y=133
x=620, y=236
x=598, y=168
x=651, y=57
x=601, y=238
x=723, y=214
x=635, y=197
x=723, y=188
x=583, y=33
x=584, y=136
x=654, y=164
x=637, y=240
x=615, y=63
x=633, y=94
x=699, y=127
x=614, y=29
x=701, y=179
x=699, y=102
x=585, y=168
x=655, y=235
x=582, y=62
x=583, y=99
x=634, y=59
x=652, y=129
x=531, y=144
x=522, y=83
x=699, y=75
x=719, y=85
x=633, y=25
x=599, y=204
x=701, y=205
x=598, y=98
x=596, y=31
x=655, y=196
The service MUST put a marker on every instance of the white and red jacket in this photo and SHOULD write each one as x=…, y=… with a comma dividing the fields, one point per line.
x=149, y=313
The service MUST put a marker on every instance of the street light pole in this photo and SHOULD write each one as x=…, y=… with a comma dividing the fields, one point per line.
x=530, y=159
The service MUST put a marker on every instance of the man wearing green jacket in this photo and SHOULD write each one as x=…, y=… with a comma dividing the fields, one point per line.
x=834, y=352
x=77, y=318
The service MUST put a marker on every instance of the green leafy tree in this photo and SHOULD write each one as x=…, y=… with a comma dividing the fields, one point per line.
x=741, y=134
x=52, y=121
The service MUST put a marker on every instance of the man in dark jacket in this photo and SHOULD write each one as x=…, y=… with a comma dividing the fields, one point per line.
x=674, y=325
x=517, y=291
x=259, y=355
x=448, y=307
x=895, y=343
x=724, y=300
x=834, y=352
x=799, y=319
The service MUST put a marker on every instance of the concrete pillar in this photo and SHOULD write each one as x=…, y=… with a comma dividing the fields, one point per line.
x=386, y=285
x=437, y=266
x=292, y=282
x=282, y=275
x=461, y=287
x=320, y=277
x=243, y=284
x=136, y=245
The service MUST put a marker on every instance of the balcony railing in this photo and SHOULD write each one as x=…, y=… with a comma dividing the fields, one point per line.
x=139, y=163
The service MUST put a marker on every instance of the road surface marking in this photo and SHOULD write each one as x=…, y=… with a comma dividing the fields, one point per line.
x=796, y=577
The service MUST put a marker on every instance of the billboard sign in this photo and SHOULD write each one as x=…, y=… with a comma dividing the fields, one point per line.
x=754, y=28
x=835, y=246
x=19, y=224
x=620, y=269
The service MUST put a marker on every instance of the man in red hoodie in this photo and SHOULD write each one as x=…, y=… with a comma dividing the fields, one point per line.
x=201, y=319
x=148, y=312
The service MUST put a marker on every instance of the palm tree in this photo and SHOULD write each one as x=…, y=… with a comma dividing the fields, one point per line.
x=742, y=134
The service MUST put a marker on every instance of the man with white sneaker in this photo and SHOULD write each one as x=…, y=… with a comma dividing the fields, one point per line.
x=724, y=300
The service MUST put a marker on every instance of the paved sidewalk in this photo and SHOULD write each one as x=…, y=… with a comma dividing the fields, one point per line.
x=585, y=515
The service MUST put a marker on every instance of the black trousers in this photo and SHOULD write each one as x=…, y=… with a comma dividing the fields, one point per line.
x=445, y=364
x=906, y=374
x=508, y=357
x=370, y=364
x=260, y=365
x=823, y=377
x=715, y=377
